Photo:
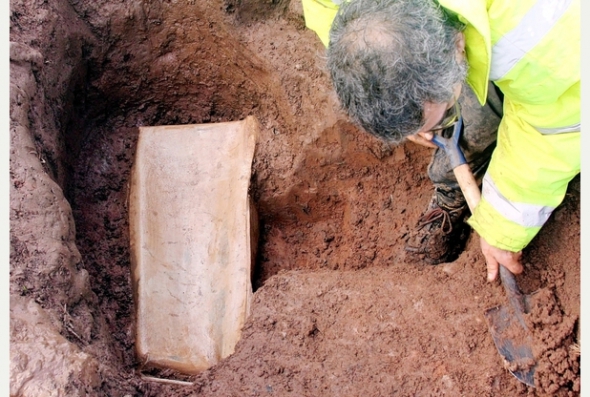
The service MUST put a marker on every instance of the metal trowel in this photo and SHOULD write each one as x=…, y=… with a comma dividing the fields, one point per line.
x=506, y=322
x=510, y=332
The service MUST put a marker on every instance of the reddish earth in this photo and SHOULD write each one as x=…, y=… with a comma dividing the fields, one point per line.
x=337, y=310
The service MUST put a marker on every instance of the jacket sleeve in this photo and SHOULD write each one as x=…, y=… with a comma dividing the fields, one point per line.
x=319, y=15
x=526, y=180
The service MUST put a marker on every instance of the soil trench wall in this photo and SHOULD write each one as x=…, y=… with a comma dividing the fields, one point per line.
x=84, y=76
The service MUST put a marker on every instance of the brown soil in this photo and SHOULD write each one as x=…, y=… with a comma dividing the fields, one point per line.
x=337, y=310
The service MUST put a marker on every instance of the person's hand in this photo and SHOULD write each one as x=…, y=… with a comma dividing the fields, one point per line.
x=496, y=256
x=423, y=138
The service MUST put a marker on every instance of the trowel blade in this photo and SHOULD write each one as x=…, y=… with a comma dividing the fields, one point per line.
x=516, y=350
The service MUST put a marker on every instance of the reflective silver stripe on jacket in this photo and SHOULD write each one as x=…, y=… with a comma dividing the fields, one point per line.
x=559, y=130
x=537, y=22
x=526, y=215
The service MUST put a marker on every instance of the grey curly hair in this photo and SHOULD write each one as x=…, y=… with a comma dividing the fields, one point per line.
x=388, y=57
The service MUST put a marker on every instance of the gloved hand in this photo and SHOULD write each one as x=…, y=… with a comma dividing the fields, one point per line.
x=451, y=145
x=422, y=138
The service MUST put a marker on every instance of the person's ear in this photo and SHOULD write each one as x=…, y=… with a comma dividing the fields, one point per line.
x=460, y=46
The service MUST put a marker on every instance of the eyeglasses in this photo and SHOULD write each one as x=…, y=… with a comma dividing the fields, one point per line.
x=450, y=118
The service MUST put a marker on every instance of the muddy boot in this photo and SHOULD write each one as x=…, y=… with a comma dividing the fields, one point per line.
x=441, y=231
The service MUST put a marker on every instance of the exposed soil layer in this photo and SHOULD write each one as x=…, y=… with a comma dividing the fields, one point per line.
x=337, y=310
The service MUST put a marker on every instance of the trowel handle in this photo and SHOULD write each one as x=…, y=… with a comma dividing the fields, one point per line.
x=472, y=195
x=468, y=185
x=463, y=173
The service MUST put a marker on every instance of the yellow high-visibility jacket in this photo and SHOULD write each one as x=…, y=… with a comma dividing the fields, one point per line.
x=531, y=50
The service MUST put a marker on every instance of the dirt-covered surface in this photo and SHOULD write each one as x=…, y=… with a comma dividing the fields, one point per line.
x=337, y=311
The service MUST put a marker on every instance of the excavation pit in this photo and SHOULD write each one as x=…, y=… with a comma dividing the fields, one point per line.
x=336, y=309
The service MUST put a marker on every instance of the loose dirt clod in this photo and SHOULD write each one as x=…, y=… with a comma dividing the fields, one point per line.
x=336, y=311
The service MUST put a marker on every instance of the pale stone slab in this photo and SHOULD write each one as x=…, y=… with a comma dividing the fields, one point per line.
x=191, y=241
